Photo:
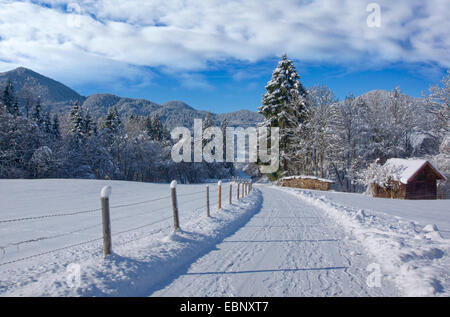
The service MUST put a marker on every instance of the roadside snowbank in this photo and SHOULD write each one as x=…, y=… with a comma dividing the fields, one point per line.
x=416, y=258
x=138, y=267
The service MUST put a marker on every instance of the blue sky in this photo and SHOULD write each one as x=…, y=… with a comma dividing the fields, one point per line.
x=221, y=90
x=218, y=55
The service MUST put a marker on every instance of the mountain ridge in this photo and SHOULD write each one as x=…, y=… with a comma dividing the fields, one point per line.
x=30, y=84
x=59, y=98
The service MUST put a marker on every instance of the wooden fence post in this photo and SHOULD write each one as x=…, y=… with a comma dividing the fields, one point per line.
x=106, y=219
x=219, y=195
x=207, y=201
x=173, y=191
x=230, y=198
x=237, y=191
x=242, y=190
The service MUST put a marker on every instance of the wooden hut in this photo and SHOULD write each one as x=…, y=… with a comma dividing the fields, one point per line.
x=306, y=182
x=416, y=179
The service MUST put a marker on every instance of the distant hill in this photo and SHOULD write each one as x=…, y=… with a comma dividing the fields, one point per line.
x=59, y=98
x=99, y=104
x=241, y=118
x=29, y=84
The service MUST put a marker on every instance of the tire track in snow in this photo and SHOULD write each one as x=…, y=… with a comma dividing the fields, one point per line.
x=288, y=248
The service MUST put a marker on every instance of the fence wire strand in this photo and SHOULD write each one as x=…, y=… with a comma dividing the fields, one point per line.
x=51, y=251
x=74, y=213
x=214, y=201
x=50, y=216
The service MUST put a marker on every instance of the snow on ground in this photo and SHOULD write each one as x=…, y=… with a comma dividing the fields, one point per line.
x=275, y=242
x=289, y=248
x=413, y=255
x=61, y=255
x=423, y=212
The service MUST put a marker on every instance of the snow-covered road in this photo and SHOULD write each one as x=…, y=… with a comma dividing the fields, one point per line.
x=289, y=248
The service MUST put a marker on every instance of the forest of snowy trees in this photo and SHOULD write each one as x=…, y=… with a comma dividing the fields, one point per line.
x=37, y=144
x=325, y=137
x=319, y=135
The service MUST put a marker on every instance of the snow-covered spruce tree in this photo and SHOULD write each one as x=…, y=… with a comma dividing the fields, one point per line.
x=8, y=97
x=158, y=128
x=148, y=127
x=113, y=122
x=55, y=129
x=89, y=125
x=284, y=106
x=77, y=122
x=46, y=122
x=15, y=108
x=19, y=138
x=208, y=123
x=36, y=114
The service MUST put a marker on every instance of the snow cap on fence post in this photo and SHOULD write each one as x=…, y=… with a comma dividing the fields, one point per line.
x=106, y=192
x=219, y=183
x=173, y=184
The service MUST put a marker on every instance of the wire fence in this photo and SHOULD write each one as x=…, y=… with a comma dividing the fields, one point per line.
x=186, y=204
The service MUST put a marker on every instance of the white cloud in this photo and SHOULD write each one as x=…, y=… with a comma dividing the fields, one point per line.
x=116, y=37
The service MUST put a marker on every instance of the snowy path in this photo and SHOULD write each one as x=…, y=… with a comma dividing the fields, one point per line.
x=289, y=248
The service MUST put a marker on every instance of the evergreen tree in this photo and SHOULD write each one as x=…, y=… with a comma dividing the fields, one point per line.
x=113, y=122
x=158, y=129
x=148, y=127
x=55, y=130
x=46, y=123
x=36, y=115
x=77, y=121
x=208, y=123
x=284, y=107
x=166, y=134
x=8, y=97
x=15, y=108
x=89, y=125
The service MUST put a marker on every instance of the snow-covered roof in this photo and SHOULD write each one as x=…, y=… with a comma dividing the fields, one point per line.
x=408, y=168
x=308, y=177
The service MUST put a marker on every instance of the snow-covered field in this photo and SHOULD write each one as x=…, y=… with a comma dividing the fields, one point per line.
x=275, y=242
x=423, y=212
x=42, y=257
